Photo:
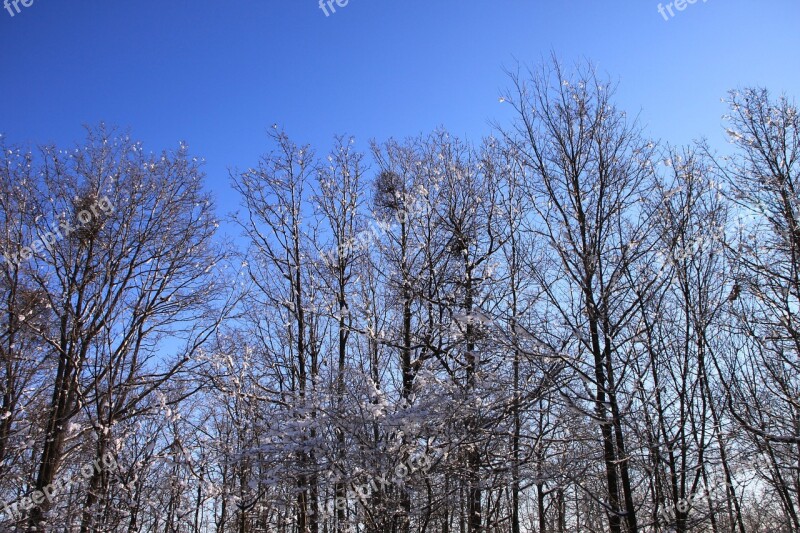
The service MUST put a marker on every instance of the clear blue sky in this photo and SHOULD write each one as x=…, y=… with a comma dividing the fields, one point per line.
x=217, y=74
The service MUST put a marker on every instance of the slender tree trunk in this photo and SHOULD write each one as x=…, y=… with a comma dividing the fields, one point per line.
x=96, y=487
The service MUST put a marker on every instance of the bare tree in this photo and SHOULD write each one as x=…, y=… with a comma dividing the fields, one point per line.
x=589, y=169
x=762, y=384
x=275, y=195
x=128, y=258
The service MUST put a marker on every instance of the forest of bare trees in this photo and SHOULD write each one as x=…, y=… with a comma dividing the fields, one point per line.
x=565, y=327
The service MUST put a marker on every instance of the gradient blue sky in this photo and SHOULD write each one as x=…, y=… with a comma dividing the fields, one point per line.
x=218, y=74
